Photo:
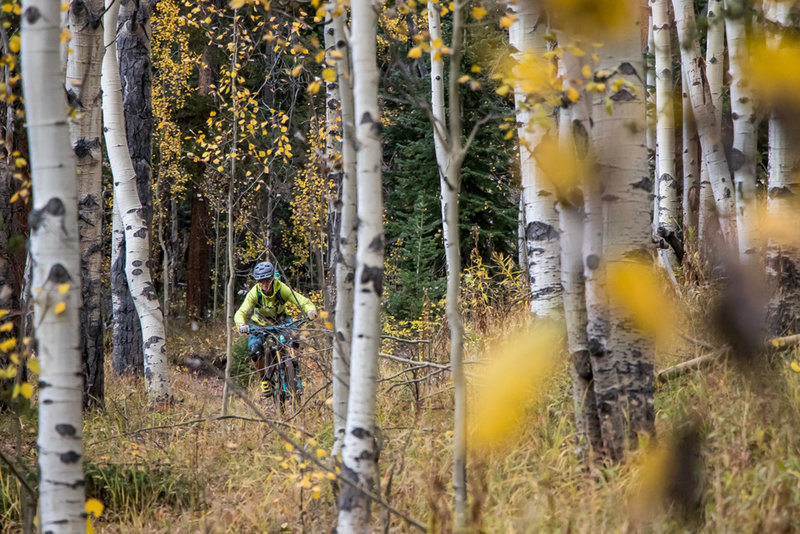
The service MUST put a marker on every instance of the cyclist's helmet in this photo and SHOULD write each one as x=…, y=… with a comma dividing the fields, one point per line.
x=263, y=271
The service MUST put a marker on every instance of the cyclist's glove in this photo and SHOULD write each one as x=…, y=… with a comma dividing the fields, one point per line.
x=244, y=329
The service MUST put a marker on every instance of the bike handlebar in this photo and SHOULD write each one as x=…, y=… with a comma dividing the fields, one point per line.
x=258, y=329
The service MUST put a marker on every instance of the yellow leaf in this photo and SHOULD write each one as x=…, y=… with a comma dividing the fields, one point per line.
x=637, y=291
x=15, y=392
x=60, y=307
x=20, y=162
x=328, y=325
x=3, y=313
x=328, y=75
x=89, y=526
x=320, y=56
x=321, y=453
x=296, y=71
x=63, y=288
x=33, y=365
x=26, y=389
x=475, y=69
x=14, y=198
x=15, y=358
x=795, y=366
x=236, y=4
x=315, y=492
x=13, y=43
x=586, y=70
x=415, y=52
x=464, y=78
x=573, y=94
x=6, y=327
x=438, y=43
x=509, y=134
x=313, y=87
x=478, y=12
x=7, y=8
x=66, y=35
x=507, y=20
x=503, y=396
x=94, y=507
x=8, y=344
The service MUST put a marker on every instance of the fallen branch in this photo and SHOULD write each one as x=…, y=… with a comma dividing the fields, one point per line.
x=700, y=362
x=413, y=362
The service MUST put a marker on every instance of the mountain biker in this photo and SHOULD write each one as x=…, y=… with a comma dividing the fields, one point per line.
x=266, y=301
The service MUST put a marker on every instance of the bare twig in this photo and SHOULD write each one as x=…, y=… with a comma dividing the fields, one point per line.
x=22, y=481
x=413, y=362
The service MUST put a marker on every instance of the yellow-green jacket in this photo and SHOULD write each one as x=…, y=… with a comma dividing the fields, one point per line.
x=266, y=308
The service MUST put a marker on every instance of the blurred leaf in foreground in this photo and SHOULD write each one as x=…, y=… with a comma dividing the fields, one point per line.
x=515, y=377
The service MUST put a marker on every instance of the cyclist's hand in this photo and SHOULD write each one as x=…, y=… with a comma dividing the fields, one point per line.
x=244, y=329
x=312, y=315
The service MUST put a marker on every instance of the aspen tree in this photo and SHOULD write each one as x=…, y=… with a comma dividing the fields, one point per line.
x=83, y=92
x=450, y=157
x=573, y=143
x=622, y=368
x=706, y=118
x=691, y=169
x=131, y=214
x=669, y=208
x=744, y=154
x=55, y=259
x=346, y=240
x=541, y=229
x=783, y=186
x=360, y=446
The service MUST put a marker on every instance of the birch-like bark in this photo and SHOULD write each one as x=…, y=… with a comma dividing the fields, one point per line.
x=332, y=166
x=360, y=447
x=55, y=258
x=137, y=234
x=541, y=231
x=133, y=54
x=691, y=171
x=623, y=374
x=783, y=187
x=573, y=142
x=229, y=287
x=745, y=129
x=83, y=93
x=345, y=257
x=449, y=157
x=705, y=114
x=669, y=208
x=522, y=248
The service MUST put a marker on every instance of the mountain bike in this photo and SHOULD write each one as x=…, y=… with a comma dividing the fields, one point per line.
x=280, y=341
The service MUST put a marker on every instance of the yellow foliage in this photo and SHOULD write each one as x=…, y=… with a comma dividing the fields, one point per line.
x=774, y=72
x=415, y=52
x=478, y=12
x=328, y=75
x=60, y=307
x=590, y=18
x=8, y=344
x=515, y=377
x=559, y=165
x=33, y=365
x=94, y=507
x=313, y=87
x=26, y=390
x=6, y=327
x=63, y=288
x=634, y=287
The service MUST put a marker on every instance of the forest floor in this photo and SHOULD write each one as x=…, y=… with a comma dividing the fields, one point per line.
x=181, y=470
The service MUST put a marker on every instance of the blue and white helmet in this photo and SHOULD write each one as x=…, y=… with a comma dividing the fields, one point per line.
x=263, y=271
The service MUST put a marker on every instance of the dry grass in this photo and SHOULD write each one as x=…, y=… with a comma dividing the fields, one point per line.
x=236, y=476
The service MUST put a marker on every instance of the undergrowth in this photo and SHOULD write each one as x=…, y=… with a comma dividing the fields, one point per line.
x=180, y=470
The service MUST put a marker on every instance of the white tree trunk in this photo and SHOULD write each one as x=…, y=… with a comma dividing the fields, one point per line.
x=229, y=287
x=83, y=90
x=56, y=261
x=623, y=375
x=137, y=236
x=572, y=219
x=522, y=247
x=449, y=157
x=345, y=257
x=706, y=117
x=691, y=171
x=745, y=130
x=541, y=231
x=669, y=207
x=360, y=446
x=783, y=188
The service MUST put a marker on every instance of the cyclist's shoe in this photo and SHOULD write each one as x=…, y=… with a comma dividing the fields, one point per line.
x=266, y=389
x=299, y=382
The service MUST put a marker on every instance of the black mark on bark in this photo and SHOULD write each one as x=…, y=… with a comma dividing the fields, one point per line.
x=540, y=231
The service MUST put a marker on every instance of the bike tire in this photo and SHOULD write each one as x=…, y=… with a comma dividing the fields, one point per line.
x=291, y=381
